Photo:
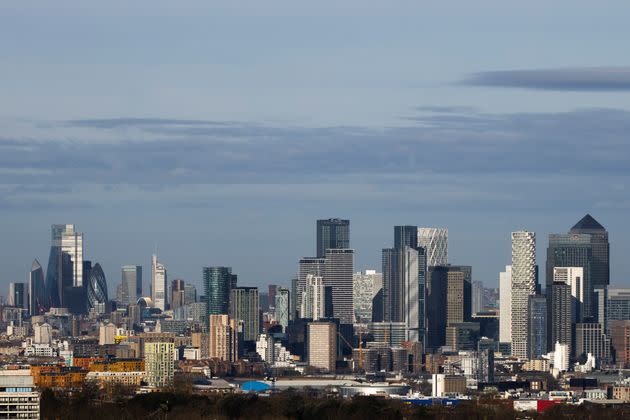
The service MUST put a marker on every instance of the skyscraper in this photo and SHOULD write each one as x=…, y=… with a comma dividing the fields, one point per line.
x=406, y=236
x=505, y=305
x=600, y=266
x=159, y=285
x=437, y=281
x=307, y=265
x=574, y=277
x=97, y=289
x=477, y=297
x=17, y=295
x=131, y=283
x=217, y=282
x=244, y=307
x=537, y=326
x=223, y=333
x=570, y=250
x=332, y=234
x=562, y=316
x=177, y=293
x=65, y=264
x=435, y=241
x=365, y=287
x=322, y=345
x=282, y=306
x=524, y=281
x=338, y=269
x=36, y=289
x=455, y=297
x=313, y=298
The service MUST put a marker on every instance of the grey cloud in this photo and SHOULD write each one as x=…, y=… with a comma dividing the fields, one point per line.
x=131, y=122
x=608, y=79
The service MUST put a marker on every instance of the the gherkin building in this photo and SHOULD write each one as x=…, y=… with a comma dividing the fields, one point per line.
x=96, y=287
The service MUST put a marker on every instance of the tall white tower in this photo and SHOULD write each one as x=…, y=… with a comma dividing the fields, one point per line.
x=435, y=241
x=72, y=244
x=158, y=284
x=524, y=278
x=505, y=305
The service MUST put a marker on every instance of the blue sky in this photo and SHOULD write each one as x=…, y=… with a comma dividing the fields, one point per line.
x=220, y=131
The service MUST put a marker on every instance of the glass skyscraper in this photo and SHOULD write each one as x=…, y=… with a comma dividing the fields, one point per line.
x=36, y=289
x=332, y=234
x=217, y=284
x=537, y=326
x=65, y=264
x=600, y=265
x=131, y=281
x=96, y=288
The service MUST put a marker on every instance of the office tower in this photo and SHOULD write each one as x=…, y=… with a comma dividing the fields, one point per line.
x=574, y=277
x=131, y=284
x=477, y=297
x=223, y=333
x=405, y=236
x=600, y=265
x=561, y=301
x=62, y=270
x=17, y=295
x=618, y=304
x=294, y=306
x=332, y=234
x=537, y=326
x=524, y=282
x=313, y=298
x=620, y=342
x=282, y=305
x=338, y=269
x=435, y=241
x=365, y=287
x=217, y=283
x=462, y=336
x=308, y=265
x=600, y=299
x=190, y=294
x=437, y=281
x=455, y=297
x=97, y=289
x=466, y=270
x=36, y=289
x=244, y=307
x=159, y=284
x=177, y=290
x=590, y=338
x=159, y=362
x=572, y=250
x=322, y=345
x=505, y=305
x=273, y=289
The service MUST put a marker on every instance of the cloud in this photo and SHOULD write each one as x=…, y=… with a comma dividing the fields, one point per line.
x=607, y=79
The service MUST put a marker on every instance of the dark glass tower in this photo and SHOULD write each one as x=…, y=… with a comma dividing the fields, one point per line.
x=537, y=326
x=96, y=288
x=405, y=236
x=217, y=284
x=36, y=290
x=332, y=234
x=600, y=265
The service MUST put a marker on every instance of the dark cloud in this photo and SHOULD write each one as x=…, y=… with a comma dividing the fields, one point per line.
x=608, y=79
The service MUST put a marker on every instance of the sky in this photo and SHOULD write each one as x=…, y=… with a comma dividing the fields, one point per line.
x=217, y=133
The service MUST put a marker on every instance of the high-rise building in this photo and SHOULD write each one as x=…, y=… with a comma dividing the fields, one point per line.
x=190, y=294
x=65, y=263
x=574, y=277
x=307, y=265
x=36, y=289
x=282, y=306
x=223, y=333
x=159, y=284
x=437, y=282
x=244, y=307
x=338, y=269
x=600, y=297
x=600, y=265
x=561, y=302
x=322, y=345
x=365, y=287
x=477, y=297
x=620, y=342
x=435, y=242
x=159, y=362
x=177, y=296
x=590, y=338
x=217, y=282
x=572, y=250
x=131, y=284
x=405, y=236
x=462, y=336
x=294, y=306
x=505, y=305
x=97, y=290
x=273, y=290
x=313, y=298
x=618, y=304
x=17, y=295
x=332, y=234
x=537, y=326
x=455, y=297
x=524, y=282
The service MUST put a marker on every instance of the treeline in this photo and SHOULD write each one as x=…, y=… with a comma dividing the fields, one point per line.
x=284, y=405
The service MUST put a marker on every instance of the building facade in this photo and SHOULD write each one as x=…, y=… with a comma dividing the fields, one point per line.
x=322, y=345
x=159, y=363
x=435, y=242
x=332, y=234
x=524, y=282
x=244, y=307
x=505, y=305
x=159, y=284
x=338, y=270
x=365, y=286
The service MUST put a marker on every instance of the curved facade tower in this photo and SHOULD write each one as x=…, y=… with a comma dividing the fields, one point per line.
x=97, y=287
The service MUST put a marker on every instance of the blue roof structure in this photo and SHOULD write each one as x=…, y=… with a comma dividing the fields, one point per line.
x=255, y=386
